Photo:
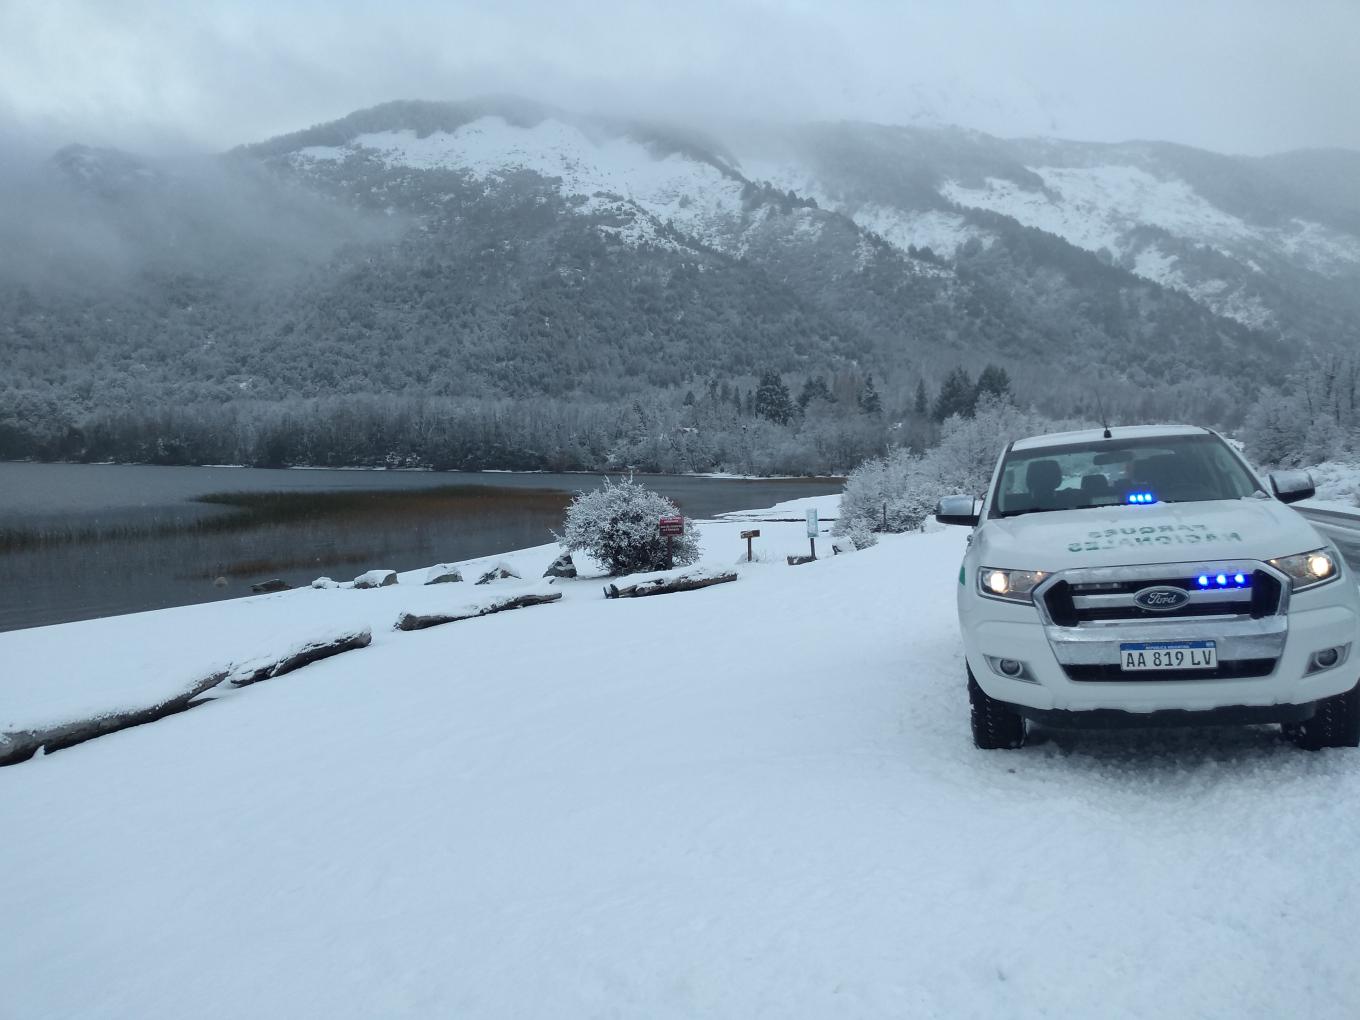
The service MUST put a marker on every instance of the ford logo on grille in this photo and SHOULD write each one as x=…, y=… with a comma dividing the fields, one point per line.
x=1161, y=599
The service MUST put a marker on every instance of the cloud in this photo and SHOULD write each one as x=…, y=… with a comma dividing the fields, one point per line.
x=1236, y=76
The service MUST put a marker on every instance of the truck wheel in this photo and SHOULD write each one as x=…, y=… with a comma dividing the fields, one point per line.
x=996, y=726
x=1336, y=723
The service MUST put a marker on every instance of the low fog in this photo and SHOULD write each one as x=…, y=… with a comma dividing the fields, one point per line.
x=1251, y=77
x=81, y=218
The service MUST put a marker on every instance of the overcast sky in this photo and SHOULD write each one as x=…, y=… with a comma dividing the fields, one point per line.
x=1240, y=76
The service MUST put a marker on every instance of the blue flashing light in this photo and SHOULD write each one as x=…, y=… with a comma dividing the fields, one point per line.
x=1141, y=497
x=1223, y=581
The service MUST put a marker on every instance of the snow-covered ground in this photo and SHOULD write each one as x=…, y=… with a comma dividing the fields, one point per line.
x=1338, y=483
x=757, y=799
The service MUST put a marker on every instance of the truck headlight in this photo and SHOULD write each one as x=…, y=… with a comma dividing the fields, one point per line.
x=1310, y=569
x=1008, y=585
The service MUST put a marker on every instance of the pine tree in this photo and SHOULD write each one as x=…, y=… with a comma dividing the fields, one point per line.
x=814, y=389
x=993, y=381
x=869, y=400
x=922, y=406
x=957, y=396
x=772, y=399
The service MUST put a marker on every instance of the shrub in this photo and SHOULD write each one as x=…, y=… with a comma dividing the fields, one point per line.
x=899, y=491
x=617, y=524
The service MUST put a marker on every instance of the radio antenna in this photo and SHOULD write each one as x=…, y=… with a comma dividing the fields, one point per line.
x=1104, y=418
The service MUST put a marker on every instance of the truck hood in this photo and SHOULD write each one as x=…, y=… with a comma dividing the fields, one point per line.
x=1228, y=529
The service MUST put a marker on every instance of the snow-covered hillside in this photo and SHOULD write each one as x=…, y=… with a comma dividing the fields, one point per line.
x=1104, y=208
x=758, y=799
x=699, y=197
x=1224, y=234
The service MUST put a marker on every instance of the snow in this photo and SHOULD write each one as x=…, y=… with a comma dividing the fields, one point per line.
x=699, y=198
x=757, y=799
x=1338, y=483
x=1095, y=207
x=1092, y=207
x=941, y=232
x=1152, y=263
x=936, y=229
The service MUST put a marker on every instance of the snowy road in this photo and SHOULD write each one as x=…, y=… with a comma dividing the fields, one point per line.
x=756, y=800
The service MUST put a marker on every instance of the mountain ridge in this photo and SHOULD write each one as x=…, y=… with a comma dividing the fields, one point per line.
x=499, y=248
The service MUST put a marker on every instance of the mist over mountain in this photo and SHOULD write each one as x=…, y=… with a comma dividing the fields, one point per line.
x=506, y=255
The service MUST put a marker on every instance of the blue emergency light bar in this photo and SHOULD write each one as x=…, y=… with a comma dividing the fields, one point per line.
x=1141, y=497
x=1224, y=580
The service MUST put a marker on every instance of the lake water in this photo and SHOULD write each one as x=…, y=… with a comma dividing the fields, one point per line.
x=85, y=540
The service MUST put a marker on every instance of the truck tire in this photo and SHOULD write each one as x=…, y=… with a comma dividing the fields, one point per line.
x=1336, y=723
x=996, y=726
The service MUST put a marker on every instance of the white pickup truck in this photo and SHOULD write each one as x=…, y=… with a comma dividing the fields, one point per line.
x=1147, y=575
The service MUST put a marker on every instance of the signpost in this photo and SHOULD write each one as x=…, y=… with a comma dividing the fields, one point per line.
x=748, y=535
x=812, y=527
x=670, y=528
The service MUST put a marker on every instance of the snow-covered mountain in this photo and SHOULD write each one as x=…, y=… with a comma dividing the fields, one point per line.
x=1249, y=239
x=1236, y=235
x=498, y=248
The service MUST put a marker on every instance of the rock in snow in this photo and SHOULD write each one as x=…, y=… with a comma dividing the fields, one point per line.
x=376, y=579
x=443, y=573
x=500, y=572
x=561, y=567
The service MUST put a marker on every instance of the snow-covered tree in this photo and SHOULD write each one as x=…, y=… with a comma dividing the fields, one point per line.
x=899, y=491
x=869, y=400
x=994, y=381
x=618, y=525
x=772, y=400
x=957, y=395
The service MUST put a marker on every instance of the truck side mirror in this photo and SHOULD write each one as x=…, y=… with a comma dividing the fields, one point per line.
x=1292, y=486
x=962, y=510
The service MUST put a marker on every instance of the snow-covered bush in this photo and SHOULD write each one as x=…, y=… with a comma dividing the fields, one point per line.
x=617, y=524
x=899, y=491
x=860, y=534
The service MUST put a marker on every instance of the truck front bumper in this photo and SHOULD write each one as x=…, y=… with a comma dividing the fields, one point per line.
x=1053, y=657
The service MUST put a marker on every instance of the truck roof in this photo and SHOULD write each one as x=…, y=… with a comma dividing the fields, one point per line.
x=1097, y=436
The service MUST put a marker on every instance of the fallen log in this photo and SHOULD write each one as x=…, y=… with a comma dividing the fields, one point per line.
x=665, y=585
x=796, y=561
x=413, y=621
x=20, y=745
x=23, y=744
x=313, y=652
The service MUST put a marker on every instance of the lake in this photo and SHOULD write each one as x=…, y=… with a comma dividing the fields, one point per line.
x=84, y=540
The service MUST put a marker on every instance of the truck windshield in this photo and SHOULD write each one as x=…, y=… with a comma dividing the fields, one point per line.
x=1114, y=472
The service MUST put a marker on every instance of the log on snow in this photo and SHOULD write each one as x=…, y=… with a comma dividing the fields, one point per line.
x=307, y=654
x=663, y=586
x=412, y=621
x=23, y=744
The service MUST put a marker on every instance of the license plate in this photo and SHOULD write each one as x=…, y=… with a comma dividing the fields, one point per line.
x=1167, y=655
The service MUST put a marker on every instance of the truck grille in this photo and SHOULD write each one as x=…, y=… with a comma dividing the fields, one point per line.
x=1070, y=605
x=1236, y=669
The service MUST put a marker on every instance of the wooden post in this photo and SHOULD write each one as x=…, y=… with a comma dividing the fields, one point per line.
x=669, y=528
x=748, y=535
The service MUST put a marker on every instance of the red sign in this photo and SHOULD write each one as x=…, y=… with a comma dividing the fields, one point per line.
x=672, y=526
